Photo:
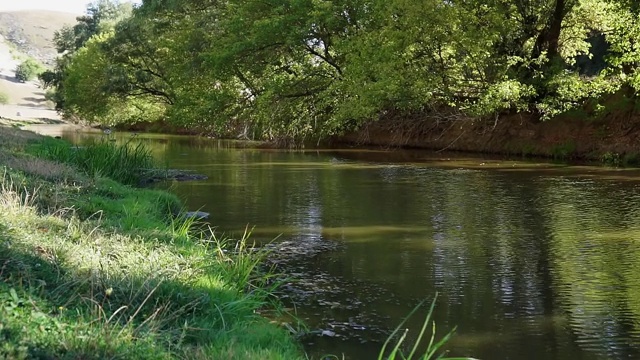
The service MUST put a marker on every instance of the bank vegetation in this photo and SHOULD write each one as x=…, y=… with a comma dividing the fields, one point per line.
x=294, y=71
x=91, y=268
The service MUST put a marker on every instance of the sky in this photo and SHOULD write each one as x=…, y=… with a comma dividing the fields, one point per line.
x=71, y=6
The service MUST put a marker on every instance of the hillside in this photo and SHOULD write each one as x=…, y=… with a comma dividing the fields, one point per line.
x=32, y=31
x=22, y=34
x=26, y=100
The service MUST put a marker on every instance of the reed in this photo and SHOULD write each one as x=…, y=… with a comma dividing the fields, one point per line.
x=125, y=163
x=432, y=347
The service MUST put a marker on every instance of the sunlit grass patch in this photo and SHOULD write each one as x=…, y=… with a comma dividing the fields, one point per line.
x=87, y=289
x=126, y=208
x=35, y=328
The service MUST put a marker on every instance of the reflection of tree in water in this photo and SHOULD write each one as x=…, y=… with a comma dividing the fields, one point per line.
x=528, y=265
x=595, y=257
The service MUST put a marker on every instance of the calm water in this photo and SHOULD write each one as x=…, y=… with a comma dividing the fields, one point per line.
x=530, y=261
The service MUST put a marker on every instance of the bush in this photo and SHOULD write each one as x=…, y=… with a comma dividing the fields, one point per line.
x=4, y=98
x=28, y=70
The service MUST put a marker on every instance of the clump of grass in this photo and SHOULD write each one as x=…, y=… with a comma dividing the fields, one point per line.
x=121, y=207
x=563, y=151
x=124, y=163
x=611, y=159
x=433, y=348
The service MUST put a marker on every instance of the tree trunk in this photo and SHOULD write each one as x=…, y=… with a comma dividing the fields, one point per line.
x=554, y=28
x=548, y=40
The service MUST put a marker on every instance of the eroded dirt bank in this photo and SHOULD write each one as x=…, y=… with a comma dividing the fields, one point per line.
x=612, y=137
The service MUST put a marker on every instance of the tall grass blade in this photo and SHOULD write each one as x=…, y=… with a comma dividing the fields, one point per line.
x=396, y=330
x=424, y=328
x=432, y=348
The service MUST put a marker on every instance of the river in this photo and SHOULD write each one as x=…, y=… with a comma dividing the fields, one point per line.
x=530, y=260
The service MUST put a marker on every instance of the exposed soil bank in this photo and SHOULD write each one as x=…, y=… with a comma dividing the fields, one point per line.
x=613, y=137
x=161, y=127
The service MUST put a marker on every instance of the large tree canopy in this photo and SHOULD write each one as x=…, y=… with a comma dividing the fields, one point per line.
x=302, y=69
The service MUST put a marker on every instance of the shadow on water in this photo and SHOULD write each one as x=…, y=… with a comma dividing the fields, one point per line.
x=532, y=261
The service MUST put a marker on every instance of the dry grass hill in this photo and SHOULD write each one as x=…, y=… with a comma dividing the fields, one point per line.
x=32, y=31
x=22, y=34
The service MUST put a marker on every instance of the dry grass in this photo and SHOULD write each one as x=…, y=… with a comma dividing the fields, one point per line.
x=45, y=169
x=12, y=138
x=13, y=141
x=36, y=27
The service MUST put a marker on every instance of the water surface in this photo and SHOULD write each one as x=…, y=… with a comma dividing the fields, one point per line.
x=531, y=261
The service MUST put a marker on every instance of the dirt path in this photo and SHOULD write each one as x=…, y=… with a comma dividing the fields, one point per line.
x=26, y=100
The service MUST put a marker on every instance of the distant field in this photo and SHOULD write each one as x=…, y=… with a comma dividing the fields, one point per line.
x=32, y=30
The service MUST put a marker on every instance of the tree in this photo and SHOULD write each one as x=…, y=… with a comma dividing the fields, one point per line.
x=102, y=16
x=87, y=89
x=295, y=70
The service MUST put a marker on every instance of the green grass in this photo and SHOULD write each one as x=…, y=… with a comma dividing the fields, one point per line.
x=611, y=159
x=102, y=158
x=92, y=269
x=432, y=349
x=563, y=151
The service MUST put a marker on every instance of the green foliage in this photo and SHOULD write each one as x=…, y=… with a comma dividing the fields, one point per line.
x=303, y=70
x=611, y=159
x=434, y=347
x=101, y=18
x=106, y=274
x=28, y=70
x=52, y=80
x=563, y=151
x=125, y=163
x=88, y=89
x=4, y=98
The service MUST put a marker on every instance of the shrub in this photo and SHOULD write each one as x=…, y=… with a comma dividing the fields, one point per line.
x=4, y=98
x=28, y=70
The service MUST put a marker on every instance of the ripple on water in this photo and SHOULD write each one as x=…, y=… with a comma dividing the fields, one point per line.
x=596, y=266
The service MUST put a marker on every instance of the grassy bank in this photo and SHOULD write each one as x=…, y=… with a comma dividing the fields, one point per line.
x=92, y=269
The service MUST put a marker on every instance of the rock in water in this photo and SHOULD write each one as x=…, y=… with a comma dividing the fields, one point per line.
x=198, y=215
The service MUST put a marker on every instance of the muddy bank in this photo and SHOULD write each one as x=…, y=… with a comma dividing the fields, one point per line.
x=613, y=137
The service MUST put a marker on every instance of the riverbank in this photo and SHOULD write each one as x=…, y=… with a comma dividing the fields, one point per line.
x=610, y=136
x=91, y=268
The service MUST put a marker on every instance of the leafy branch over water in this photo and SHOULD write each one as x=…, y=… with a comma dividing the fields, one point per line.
x=303, y=70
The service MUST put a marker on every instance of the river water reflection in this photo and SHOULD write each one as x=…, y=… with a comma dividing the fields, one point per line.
x=531, y=261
